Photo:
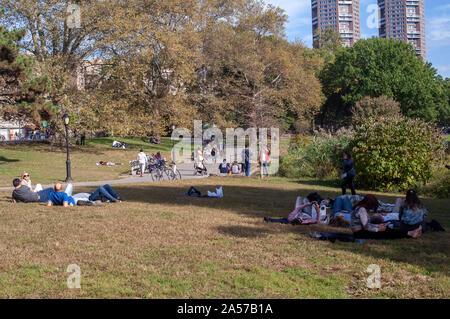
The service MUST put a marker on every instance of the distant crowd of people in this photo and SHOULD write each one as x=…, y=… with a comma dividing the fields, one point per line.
x=234, y=167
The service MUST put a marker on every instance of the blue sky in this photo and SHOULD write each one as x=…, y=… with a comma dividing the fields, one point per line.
x=437, y=27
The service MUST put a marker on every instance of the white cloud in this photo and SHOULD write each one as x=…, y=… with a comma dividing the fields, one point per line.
x=439, y=28
x=299, y=21
x=293, y=7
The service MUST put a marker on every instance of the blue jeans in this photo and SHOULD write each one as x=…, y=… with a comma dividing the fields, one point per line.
x=406, y=228
x=348, y=181
x=43, y=195
x=248, y=165
x=105, y=190
x=340, y=204
x=265, y=169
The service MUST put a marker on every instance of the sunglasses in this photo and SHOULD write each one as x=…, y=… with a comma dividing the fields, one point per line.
x=26, y=175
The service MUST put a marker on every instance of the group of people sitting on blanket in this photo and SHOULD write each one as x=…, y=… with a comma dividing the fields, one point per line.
x=227, y=168
x=55, y=196
x=404, y=219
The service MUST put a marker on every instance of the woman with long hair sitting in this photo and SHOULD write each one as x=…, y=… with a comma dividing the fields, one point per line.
x=362, y=228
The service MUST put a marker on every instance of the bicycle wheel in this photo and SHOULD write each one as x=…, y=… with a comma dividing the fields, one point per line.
x=153, y=174
x=156, y=174
x=177, y=174
x=169, y=174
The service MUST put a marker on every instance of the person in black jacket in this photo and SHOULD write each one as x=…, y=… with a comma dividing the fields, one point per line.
x=349, y=174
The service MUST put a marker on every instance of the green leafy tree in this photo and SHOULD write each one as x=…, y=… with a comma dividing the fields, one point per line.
x=444, y=106
x=328, y=43
x=21, y=91
x=376, y=67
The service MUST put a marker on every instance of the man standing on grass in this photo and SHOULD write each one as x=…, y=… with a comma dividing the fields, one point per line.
x=247, y=160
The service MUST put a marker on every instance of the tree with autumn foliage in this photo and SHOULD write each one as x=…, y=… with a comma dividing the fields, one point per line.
x=223, y=61
x=252, y=76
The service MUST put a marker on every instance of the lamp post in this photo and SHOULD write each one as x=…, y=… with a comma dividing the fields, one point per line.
x=66, y=119
x=172, y=126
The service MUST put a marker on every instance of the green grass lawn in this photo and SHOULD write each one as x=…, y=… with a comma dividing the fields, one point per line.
x=159, y=244
x=47, y=163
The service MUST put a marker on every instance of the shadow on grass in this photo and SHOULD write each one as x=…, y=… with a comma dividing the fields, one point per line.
x=430, y=252
x=323, y=183
x=7, y=160
x=243, y=231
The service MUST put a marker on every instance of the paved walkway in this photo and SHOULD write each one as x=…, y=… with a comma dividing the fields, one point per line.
x=186, y=170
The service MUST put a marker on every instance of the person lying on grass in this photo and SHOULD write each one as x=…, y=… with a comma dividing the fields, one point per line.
x=363, y=229
x=104, y=193
x=24, y=194
x=298, y=217
x=61, y=198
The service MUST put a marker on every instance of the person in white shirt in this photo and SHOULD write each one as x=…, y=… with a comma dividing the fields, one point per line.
x=235, y=168
x=142, y=159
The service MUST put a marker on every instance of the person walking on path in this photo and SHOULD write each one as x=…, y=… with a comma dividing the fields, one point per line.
x=83, y=139
x=142, y=160
x=349, y=174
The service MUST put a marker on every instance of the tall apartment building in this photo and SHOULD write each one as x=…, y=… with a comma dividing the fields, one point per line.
x=404, y=20
x=341, y=15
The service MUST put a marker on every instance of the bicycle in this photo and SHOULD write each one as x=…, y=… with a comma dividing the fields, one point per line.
x=172, y=173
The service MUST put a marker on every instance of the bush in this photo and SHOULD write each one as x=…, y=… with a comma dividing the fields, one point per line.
x=395, y=153
x=317, y=157
x=381, y=106
x=439, y=186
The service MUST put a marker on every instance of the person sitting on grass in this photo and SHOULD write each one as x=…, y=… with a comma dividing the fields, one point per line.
x=61, y=198
x=224, y=167
x=22, y=193
x=235, y=168
x=363, y=229
x=412, y=214
x=26, y=181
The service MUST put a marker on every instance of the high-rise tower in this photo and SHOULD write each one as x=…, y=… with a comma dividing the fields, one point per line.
x=340, y=15
x=404, y=20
